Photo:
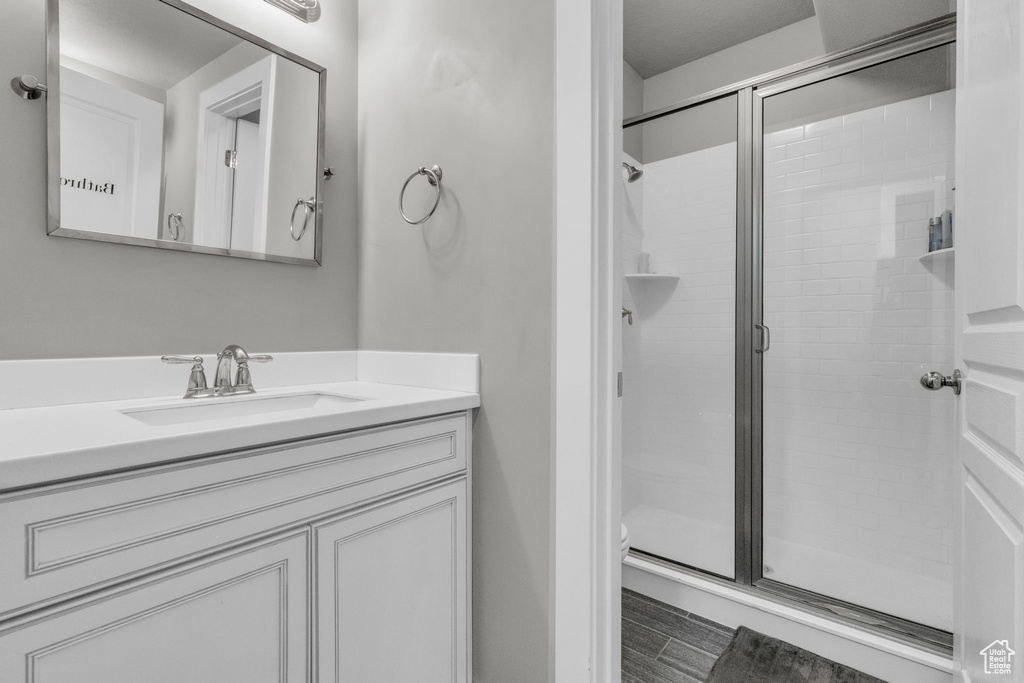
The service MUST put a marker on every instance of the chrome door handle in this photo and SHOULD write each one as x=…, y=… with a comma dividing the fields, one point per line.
x=933, y=381
x=766, y=338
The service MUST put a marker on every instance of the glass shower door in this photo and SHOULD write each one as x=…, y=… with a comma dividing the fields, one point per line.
x=679, y=352
x=858, y=297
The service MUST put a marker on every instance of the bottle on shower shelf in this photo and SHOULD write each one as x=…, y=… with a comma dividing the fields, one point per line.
x=934, y=234
x=643, y=262
x=947, y=229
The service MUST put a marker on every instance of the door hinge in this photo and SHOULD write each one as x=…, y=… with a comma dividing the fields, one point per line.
x=231, y=158
x=619, y=383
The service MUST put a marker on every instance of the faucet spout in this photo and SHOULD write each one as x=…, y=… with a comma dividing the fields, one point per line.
x=222, y=384
x=222, y=380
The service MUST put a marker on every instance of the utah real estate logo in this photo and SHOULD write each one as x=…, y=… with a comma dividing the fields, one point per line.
x=998, y=658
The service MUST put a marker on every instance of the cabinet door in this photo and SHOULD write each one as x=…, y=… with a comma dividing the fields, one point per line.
x=239, y=617
x=393, y=601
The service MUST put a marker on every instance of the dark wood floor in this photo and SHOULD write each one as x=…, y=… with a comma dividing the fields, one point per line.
x=664, y=644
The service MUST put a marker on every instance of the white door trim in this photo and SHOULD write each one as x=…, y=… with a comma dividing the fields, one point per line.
x=585, y=575
x=249, y=90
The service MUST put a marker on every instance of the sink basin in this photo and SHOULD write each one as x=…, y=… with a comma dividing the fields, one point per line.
x=220, y=409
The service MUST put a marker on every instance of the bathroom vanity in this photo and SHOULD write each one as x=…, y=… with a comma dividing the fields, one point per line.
x=316, y=543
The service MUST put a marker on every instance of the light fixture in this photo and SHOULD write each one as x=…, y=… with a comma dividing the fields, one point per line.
x=306, y=10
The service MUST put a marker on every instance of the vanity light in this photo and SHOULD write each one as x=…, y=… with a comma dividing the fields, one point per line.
x=306, y=10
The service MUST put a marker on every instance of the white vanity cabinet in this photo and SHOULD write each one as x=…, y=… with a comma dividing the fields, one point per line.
x=313, y=560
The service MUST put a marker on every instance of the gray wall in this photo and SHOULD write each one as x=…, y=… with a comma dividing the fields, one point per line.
x=707, y=125
x=469, y=85
x=794, y=43
x=70, y=298
x=919, y=74
x=632, y=105
x=846, y=24
x=714, y=123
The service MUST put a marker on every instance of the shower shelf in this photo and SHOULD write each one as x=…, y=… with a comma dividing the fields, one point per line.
x=938, y=254
x=651, y=277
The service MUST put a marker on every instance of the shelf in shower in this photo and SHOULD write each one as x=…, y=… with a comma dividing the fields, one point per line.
x=652, y=277
x=938, y=254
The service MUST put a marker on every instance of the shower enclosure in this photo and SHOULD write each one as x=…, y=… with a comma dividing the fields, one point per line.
x=775, y=430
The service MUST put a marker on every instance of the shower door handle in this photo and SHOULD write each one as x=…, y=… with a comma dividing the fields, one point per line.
x=766, y=339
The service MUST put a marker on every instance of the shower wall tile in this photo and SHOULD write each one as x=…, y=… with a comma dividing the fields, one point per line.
x=857, y=456
x=685, y=350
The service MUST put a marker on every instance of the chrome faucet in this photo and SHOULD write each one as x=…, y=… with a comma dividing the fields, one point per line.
x=222, y=385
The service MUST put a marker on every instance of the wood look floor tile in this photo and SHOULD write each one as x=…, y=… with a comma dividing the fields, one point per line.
x=648, y=670
x=688, y=660
x=646, y=641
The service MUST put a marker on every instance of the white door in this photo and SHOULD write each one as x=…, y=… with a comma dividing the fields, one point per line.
x=989, y=232
x=111, y=157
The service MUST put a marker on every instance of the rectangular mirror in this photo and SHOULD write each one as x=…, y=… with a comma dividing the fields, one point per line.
x=169, y=128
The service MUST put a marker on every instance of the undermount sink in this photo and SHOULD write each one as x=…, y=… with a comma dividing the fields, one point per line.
x=219, y=408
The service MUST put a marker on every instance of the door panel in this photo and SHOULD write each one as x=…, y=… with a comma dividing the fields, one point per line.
x=110, y=157
x=991, y=588
x=990, y=271
x=393, y=591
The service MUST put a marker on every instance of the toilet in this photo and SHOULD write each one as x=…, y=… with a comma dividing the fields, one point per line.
x=625, y=541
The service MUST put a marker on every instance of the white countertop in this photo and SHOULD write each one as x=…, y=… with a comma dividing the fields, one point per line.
x=58, y=442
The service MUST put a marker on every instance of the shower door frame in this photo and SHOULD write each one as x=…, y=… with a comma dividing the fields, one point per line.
x=749, y=434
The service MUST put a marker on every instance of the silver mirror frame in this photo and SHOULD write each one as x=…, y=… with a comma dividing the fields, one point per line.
x=54, y=227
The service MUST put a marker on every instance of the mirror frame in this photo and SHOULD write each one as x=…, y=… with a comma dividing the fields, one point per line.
x=54, y=226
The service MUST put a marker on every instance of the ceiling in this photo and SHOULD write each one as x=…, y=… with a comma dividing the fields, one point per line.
x=846, y=24
x=660, y=35
x=149, y=42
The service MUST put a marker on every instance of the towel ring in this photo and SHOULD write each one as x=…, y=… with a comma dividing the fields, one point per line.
x=308, y=208
x=28, y=87
x=434, y=178
x=174, y=225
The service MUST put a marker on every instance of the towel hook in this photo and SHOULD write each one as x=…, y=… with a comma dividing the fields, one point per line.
x=308, y=208
x=434, y=178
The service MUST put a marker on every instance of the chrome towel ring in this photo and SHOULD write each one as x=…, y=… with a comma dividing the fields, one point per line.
x=174, y=224
x=308, y=209
x=434, y=178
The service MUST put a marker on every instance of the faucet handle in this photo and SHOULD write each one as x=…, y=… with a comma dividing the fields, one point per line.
x=243, y=378
x=198, y=360
x=196, y=378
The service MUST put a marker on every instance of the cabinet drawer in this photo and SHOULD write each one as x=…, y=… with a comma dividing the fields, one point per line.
x=63, y=540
